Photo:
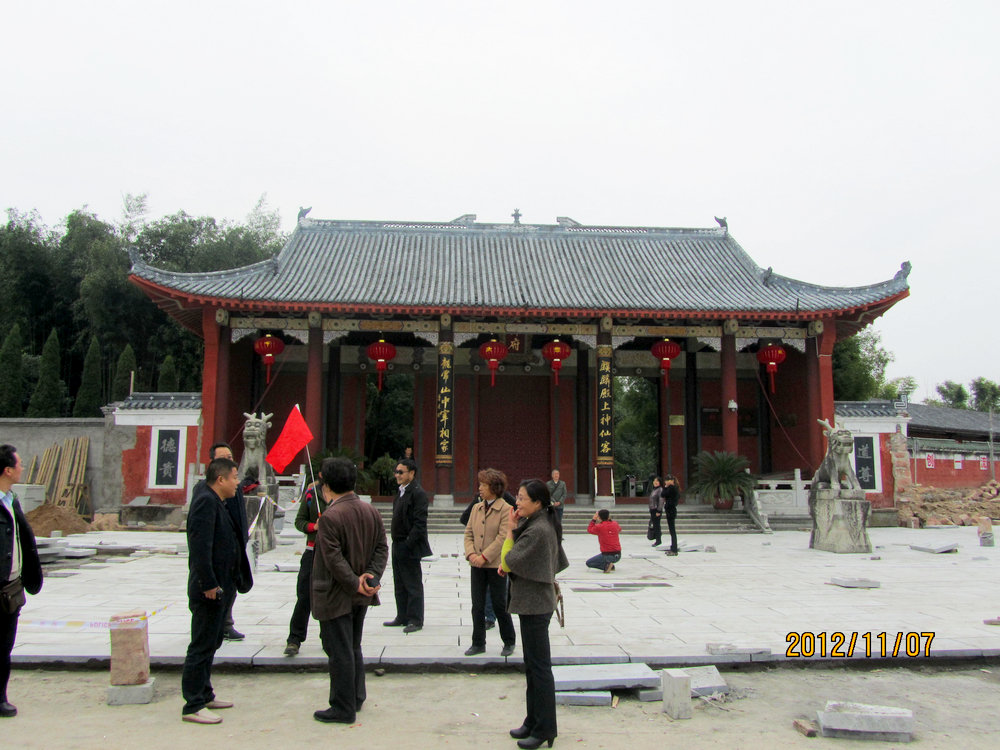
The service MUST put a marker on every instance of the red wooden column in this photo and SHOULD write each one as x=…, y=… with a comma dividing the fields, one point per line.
x=666, y=445
x=730, y=442
x=222, y=379
x=819, y=382
x=314, y=389
x=209, y=382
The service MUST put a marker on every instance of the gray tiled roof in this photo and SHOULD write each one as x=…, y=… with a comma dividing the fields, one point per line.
x=876, y=408
x=161, y=401
x=480, y=267
x=945, y=421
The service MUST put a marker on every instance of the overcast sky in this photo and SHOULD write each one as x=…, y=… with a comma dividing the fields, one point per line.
x=840, y=139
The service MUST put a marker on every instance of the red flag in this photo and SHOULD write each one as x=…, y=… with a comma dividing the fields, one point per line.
x=295, y=436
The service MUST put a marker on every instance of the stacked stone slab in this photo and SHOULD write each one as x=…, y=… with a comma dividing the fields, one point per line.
x=860, y=721
x=130, y=680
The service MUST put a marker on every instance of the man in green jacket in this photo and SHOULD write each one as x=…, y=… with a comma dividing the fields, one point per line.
x=310, y=509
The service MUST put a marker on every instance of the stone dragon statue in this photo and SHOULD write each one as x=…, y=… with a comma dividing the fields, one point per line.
x=836, y=470
x=255, y=451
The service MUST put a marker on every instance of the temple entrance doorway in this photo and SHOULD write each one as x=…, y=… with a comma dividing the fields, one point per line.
x=514, y=430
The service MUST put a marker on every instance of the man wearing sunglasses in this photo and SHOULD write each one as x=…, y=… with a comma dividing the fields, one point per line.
x=409, y=544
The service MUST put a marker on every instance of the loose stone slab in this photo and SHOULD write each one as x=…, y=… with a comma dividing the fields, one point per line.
x=62, y=573
x=287, y=567
x=855, y=583
x=77, y=553
x=730, y=648
x=863, y=721
x=583, y=698
x=935, y=548
x=604, y=676
x=130, y=695
x=704, y=681
x=676, y=687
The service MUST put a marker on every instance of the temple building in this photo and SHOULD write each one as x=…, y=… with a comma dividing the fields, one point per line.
x=487, y=316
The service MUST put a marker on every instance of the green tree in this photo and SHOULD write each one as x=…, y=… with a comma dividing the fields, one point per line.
x=896, y=388
x=953, y=395
x=121, y=387
x=168, y=376
x=985, y=395
x=636, y=426
x=90, y=396
x=859, y=366
x=11, y=389
x=46, y=401
x=389, y=414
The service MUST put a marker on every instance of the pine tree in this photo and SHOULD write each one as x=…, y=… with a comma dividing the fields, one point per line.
x=88, y=397
x=168, y=375
x=123, y=374
x=47, y=398
x=10, y=375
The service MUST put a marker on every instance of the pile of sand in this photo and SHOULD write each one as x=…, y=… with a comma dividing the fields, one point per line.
x=105, y=522
x=48, y=518
x=941, y=507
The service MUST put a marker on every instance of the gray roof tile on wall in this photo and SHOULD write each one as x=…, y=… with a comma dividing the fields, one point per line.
x=161, y=401
x=534, y=267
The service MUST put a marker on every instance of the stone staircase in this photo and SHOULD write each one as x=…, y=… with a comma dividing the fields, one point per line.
x=632, y=518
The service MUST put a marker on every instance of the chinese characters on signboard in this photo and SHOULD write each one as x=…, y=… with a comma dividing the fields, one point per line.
x=958, y=460
x=445, y=402
x=167, y=458
x=864, y=462
x=984, y=463
x=929, y=461
x=605, y=415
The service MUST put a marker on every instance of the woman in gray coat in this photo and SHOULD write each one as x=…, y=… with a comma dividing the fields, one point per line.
x=532, y=555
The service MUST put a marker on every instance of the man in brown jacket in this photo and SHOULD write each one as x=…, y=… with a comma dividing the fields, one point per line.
x=484, y=537
x=350, y=556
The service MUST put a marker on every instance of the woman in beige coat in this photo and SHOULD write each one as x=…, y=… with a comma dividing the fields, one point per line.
x=484, y=537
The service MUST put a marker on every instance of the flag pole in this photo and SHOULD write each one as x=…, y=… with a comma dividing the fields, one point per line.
x=308, y=460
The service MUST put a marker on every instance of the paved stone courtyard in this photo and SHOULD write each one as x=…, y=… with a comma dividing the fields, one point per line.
x=661, y=610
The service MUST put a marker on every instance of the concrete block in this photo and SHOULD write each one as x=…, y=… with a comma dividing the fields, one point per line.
x=583, y=698
x=130, y=649
x=55, y=534
x=986, y=539
x=604, y=676
x=866, y=722
x=854, y=583
x=676, y=687
x=985, y=525
x=130, y=695
x=935, y=548
x=647, y=695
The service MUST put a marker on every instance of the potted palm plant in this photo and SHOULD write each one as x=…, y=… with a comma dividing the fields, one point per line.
x=721, y=476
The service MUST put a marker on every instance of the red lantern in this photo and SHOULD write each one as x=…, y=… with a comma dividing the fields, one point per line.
x=555, y=352
x=382, y=353
x=269, y=347
x=493, y=352
x=771, y=355
x=665, y=351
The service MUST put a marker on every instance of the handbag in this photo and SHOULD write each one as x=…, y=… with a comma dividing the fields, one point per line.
x=560, y=610
x=650, y=532
x=12, y=596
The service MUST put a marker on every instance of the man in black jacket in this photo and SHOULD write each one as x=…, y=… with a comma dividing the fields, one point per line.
x=19, y=565
x=217, y=566
x=409, y=544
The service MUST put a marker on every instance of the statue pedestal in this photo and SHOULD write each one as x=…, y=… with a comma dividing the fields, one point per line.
x=263, y=532
x=840, y=520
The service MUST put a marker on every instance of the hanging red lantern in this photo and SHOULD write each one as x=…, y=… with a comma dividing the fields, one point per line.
x=771, y=355
x=665, y=351
x=382, y=353
x=555, y=352
x=269, y=347
x=493, y=352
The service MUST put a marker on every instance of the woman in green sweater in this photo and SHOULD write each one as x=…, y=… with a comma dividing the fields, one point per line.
x=532, y=555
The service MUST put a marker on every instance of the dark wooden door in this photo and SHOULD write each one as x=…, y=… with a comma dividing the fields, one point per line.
x=514, y=428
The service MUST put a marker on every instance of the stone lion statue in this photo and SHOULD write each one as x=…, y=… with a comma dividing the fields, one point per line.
x=255, y=450
x=836, y=470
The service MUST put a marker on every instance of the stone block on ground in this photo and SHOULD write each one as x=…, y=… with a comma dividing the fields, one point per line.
x=935, y=548
x=866, y=722
x=130, y=695
x=676, y=687
x=854, y=583
x=704, y=681
x=74, y=553
x=583, y=698
x=985, y=525
x=731, y=648
x=986, y=539
x=839, y=522
x=689, y=547
x=287, y=567
x=604, y=676
x=129, y=649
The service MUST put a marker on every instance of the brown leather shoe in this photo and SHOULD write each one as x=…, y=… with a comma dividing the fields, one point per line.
x=202, y=717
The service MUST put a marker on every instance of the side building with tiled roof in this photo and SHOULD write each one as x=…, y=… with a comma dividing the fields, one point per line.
x=437, y=292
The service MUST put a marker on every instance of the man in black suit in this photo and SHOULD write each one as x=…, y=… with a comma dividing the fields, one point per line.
x=217, y=567
x=409, y=544
x=237, y=507
x=20, y=569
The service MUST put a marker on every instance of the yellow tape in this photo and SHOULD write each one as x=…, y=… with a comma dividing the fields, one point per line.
x=131, y=622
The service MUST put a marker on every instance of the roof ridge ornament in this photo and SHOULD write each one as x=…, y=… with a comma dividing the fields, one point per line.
x=302, y=214
x=903, y=273
x=517, y=215
x=723, y=223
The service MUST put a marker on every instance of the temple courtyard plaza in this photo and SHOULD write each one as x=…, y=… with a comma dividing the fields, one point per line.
x=752, y=592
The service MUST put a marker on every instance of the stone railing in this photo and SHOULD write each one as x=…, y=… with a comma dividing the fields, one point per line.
x=783, y=497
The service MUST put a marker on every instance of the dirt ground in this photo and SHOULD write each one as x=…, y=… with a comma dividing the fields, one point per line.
x=67, y=710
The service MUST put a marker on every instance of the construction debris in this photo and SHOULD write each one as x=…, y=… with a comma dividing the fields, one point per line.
x=932, y=506
x=48, y=518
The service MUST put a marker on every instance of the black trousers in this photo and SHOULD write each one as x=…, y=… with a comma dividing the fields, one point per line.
x=540, y=695
x=654, y=518
x=341, y=638
x=208, y=621
x=671, y=511
x=487, y=582
x=8, y=632
x=299, y=625
x=407, y=586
